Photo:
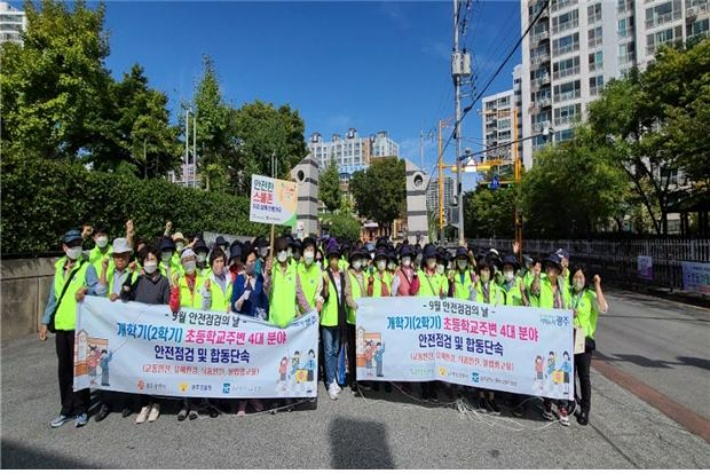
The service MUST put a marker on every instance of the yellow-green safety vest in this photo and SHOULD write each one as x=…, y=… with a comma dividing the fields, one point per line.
x=310, y=278
x=65, y=318
x=377, y=284
x=434, y=285
x=462, y=290
x=194, y=299
x=220, y=299
x=357, y=292
x=512, y=297
x=282, y=301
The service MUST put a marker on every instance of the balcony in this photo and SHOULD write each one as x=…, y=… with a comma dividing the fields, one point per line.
x=539, y=58
x=565, y=120
x=597, y=41
x=627, y=58
x=573, y=94
x=696, y=7
x=538, y=37
x=540, y=81
x=562, y=73
x=539, y=127
x=596, y=67
x=562, y=4
x=565, y=26
x=625, y=7
x=663, y=19
x=566, y=49
x=542, y=103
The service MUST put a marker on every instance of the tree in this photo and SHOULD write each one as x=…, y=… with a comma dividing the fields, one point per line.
x=55, y=86
x=653, y=124
x=344, y=226
x=490, y=213
x=574, y=188
x=380, y=191
x=329, y=187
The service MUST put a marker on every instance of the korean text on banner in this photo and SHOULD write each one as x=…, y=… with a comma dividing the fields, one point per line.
x=273, y=201
x=512, y=349
x=137, y=348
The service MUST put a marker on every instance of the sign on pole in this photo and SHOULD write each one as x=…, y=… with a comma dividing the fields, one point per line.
x=696, y=277
x=645, y=267
x=273, y=201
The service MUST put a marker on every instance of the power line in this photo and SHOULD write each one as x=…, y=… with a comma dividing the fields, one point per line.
x=467, y=109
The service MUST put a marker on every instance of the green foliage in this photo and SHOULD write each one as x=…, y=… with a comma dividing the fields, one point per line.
x=329, y=187
x=344, y=226
x=490, y=213
x=60, y=101
x=42, y=199
x=380, y=191
x=573, y=189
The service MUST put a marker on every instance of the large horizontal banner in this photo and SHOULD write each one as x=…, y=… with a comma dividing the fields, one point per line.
x=511, y=349
x=137, y=348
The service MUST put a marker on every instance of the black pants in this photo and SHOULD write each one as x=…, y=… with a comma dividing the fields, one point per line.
x=352, y=366
x=73, y=403
x=582, y=364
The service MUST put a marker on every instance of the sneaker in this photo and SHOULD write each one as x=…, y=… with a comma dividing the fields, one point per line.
x=333, y=391
x=103, y=413
x=182, y=414
x=258, y=406
x=143, y=415
x=193, y=415
x=337, y=387
x=213, y=412
x=492, y=407
x=81, y=420
x=564, y=418
x=154, y=412
x=275, y=407
x=519, y=410
x=242, y=408
x=126, y=412
x=59, y=421
x=547, y=411
x=583, y=418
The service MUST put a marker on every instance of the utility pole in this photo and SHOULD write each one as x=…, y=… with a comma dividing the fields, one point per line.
x=187, y=144
x=518, y=173
x=461, y=67
x=422, y=149
x=441, y=188
x=194, y=146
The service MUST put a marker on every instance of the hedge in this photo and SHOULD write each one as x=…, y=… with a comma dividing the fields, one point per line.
x=42, y=199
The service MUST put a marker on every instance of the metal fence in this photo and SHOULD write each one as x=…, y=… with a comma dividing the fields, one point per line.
x=618, y=260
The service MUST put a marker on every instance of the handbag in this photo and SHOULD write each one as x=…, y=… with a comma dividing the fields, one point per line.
x=50, y=326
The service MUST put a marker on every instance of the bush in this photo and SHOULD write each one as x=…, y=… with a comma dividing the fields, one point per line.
x=42, y=199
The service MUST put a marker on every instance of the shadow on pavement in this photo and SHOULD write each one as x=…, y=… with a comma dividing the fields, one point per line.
x=18, y=456
x=358, y=444
x=654, y=363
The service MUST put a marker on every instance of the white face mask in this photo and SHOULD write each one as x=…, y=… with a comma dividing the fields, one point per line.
x=381, y=265
x=102, y=242
x=166, y=256
x=406, y=262
x=431, y=263
x=372, y=256
x=264, y=251
x=579, y=285
x=461, y=264
x=391, y=266
x=73, y=252
x=363, y=263
x=201, y=257
x=179, y=246
x=189, y=267
x=485, y=277
x=282, y=256
x=308, y=257
x=357, y=264
x=509, y=275
x=440, y=268
x=150, y=267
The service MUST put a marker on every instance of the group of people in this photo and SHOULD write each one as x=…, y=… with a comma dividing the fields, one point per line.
x=294, y=278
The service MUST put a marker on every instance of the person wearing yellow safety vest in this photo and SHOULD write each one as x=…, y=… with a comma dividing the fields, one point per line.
x=180, y=245
x=311, y=275
x=111, y=281
x=217, y=290
x=201, y=251
x=186, y=292
x=74, y=277
x=550, y=293
x=486, y=291
x=102, y=250
x=431, y=284
x=586, y=304
x=512, y=289
x=167, y=266
x=333, y=318
x=564, y=263
x=357, y=289
x=462, y=279
x=380, y=282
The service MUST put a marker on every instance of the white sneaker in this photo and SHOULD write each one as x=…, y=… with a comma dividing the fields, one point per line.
x=154, y=412
x=332, y=391
x=337, y=387
x=143, y=415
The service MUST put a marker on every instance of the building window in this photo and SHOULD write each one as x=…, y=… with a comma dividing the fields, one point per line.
x=626, y=53
x=663, y=13
x=596, y=61
x=594, y=36
x=656, y=40
x=567, y=91
x=625, y=27
x=699, y=28
x=595, y=85
x=566, y=68
x=594, y=13
x=567, y=114
x=566, y=44
x=565, y=21
x=564, y=135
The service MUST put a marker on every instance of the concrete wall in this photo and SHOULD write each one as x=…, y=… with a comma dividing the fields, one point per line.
x=24, y=286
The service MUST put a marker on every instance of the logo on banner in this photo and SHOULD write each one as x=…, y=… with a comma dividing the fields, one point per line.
x=141, y=385
x=183, y=387
x=226, y=387
x=475, y=378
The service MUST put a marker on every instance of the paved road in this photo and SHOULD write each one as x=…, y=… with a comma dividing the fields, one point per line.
x=663, y=343
x=379, y=430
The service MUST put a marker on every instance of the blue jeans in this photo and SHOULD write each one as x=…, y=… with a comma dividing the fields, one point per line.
x=331, y=349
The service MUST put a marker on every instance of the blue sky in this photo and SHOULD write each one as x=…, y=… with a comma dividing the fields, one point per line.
x=368, y=65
